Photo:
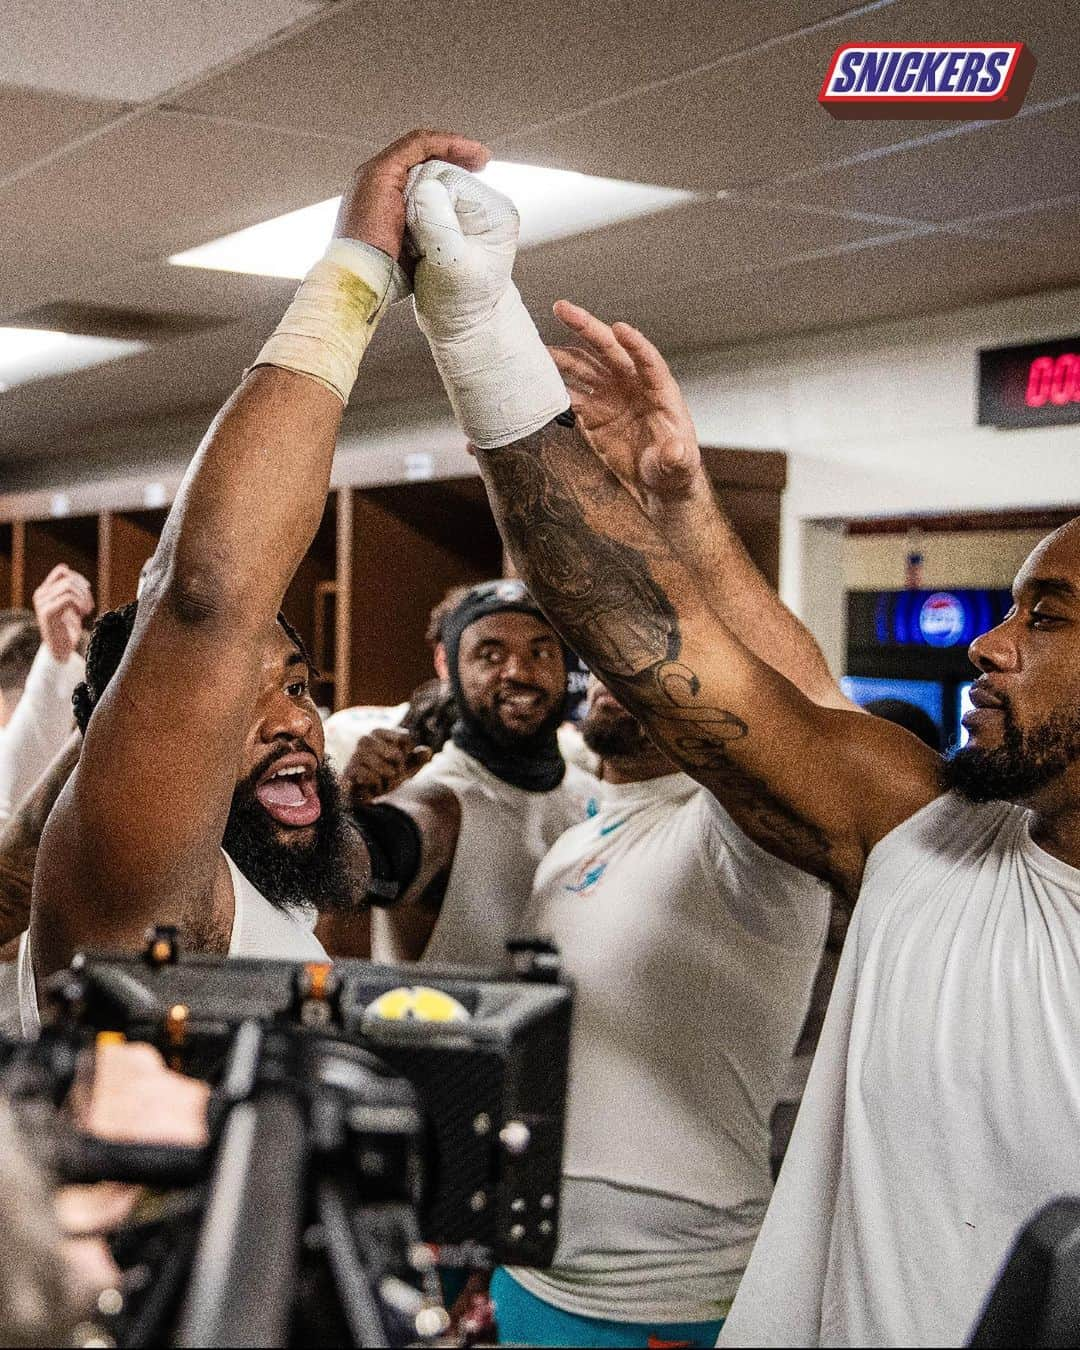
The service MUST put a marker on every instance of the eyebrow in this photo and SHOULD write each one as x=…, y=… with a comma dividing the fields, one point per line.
x=1053, y=586
x=295, y=658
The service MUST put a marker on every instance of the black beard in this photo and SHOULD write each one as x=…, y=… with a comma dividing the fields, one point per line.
x=614, y=737
x=1021, y=765
x=289, y=875
x=489, y=722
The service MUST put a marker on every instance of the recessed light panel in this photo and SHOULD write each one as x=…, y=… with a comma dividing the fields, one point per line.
x=553, y=204
x=35, y=353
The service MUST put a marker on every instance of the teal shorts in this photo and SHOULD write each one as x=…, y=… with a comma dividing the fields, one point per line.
x=524, y=1319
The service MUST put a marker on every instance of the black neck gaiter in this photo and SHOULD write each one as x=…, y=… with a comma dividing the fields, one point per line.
x=536, y=765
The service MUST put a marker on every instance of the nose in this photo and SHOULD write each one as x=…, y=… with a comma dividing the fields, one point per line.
x=995, y=650
x=518, y=667
x=285, y=719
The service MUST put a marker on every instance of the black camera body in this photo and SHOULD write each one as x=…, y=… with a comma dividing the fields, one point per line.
x=490, y=1083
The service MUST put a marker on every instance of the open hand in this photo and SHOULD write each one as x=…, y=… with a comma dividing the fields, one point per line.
x=61, y=603
x=630, y=407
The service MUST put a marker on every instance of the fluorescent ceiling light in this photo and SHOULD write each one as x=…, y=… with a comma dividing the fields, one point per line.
x=553, y=203
x=34, y=353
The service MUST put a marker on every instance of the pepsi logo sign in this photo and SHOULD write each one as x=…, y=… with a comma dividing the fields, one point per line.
x=941, y=619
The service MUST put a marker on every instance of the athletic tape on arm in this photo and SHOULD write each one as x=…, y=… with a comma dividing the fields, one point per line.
x=501, y=380
x=334, y=314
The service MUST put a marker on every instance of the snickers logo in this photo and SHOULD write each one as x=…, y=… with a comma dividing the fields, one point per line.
x=951, y=79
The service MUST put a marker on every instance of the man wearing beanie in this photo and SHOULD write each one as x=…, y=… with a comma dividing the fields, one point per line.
x=474, y=822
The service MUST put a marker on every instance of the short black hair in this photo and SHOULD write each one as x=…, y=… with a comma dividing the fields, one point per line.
x=109, y=641
x=20, y=638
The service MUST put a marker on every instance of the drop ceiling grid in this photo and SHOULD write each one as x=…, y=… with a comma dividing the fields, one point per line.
x=703, y=95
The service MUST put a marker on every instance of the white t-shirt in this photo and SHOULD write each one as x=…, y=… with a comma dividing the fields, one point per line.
x=259, y=929
x=504, y=833
x=693, y=954
x=943, y=1108
x=39, y=727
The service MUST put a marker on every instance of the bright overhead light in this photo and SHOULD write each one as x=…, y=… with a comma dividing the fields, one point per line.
x=553, y=204
x=34, y=353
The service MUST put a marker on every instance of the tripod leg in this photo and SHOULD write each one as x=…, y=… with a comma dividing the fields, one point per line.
x=244, y=1275
x=358, y=1301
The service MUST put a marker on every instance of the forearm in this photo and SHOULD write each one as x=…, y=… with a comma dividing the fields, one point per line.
x=253, y=497
x=699, y=531
x=39, y=727
x=20, y=837
x=634, y=612
x=596, y=564
x=263, y=472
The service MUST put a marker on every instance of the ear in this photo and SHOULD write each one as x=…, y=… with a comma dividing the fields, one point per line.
x=442, y=664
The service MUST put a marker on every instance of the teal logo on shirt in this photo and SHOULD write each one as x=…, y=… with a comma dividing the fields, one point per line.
x=588, y=878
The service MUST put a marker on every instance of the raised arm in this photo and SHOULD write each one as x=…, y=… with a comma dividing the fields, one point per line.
x=633, y=414
x=20, y=837
x=412, y=831
x=816, y=786
x=42, y=721
x=135, y=835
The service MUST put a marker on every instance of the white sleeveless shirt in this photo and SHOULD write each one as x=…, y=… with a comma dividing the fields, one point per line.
x=259, y=929
x=943, y=1107
x=504, y=833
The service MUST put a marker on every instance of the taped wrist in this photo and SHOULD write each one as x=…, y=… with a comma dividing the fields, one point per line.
x=395, y=847
x=499, y=377
x=326, y=329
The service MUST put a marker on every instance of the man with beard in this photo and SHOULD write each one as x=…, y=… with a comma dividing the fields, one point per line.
x=491, y=803
x=207, y=723
x=692, y=953
x=946, y=1077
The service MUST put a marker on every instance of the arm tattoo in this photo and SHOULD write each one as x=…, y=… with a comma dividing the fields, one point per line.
x=19, y=839
x=551, y=495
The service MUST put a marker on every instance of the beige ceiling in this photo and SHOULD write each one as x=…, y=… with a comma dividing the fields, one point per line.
x=132, y=129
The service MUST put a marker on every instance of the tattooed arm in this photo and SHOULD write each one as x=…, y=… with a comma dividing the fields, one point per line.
x=632, y=411
x=19, y=839
x=816, y=786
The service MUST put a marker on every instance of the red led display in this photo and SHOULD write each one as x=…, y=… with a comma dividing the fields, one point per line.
x=1053, y=379
x=1033, y=386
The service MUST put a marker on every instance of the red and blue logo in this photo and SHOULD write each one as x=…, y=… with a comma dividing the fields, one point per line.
x=950, y=79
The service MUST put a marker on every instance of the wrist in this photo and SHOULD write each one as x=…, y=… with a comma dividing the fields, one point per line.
x=498, y=374
x=60, y=653
x=334, y=314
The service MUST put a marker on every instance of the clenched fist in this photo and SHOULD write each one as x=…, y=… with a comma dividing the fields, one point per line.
x=62, y=601
x=383, y=760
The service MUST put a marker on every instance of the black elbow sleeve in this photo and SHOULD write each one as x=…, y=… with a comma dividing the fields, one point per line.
x=395, y=847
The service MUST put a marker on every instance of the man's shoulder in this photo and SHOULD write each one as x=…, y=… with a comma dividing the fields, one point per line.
x=948, y=825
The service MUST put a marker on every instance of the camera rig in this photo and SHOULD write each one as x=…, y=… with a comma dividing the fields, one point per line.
x=365, y=1127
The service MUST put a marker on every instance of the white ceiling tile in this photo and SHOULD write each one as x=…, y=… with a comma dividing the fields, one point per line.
x=152, y=187
x=131, y=50
x=485, y=70
x=992, y=167
x=33, y=125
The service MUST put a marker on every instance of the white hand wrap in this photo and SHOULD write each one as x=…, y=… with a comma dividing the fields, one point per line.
x=334, y=314
x=503, y=384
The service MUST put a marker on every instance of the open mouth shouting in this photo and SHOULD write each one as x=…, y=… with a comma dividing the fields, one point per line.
x=288, y=790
